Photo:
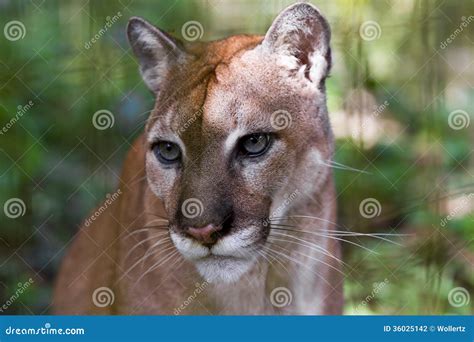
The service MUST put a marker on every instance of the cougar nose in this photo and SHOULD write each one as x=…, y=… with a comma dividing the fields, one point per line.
x=205, y=234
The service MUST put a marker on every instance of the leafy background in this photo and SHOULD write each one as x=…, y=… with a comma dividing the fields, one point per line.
x=416, y=166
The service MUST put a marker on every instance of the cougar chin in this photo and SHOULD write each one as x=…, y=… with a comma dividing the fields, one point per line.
x=220, y=269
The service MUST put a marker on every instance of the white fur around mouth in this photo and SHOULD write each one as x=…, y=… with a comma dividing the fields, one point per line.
x=222, y=263
x=189, y=248
x=219, y=269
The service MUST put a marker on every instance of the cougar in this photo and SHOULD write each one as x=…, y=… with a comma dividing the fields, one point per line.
x=226, y=203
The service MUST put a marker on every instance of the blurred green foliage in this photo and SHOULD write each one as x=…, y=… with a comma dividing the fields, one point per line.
x=415, y=164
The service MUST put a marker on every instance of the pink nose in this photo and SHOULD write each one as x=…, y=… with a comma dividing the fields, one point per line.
x=204, y=234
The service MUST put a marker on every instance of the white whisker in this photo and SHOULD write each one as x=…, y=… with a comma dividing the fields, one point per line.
x=338, y=233
x=139, y=261
x=311, y=246
x=339, y=166
x=140, y=230
x=156, y=244
x=266, y=255
x=160, y=263
x=308, y=256
x=295, y=261
x=329, y=236
x=157, y=264
x=144, y=241
x=156, y=220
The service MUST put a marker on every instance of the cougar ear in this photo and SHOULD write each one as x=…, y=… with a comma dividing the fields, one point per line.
x=301, y=35
x=155, y=50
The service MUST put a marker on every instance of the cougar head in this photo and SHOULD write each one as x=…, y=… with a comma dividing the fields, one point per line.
x=237, y=125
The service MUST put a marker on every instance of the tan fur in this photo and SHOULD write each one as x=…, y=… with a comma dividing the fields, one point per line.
x=204, y=93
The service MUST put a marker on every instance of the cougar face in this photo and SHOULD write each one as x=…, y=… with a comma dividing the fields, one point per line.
x=238, y=124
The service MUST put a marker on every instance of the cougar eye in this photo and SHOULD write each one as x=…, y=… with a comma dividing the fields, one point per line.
x=167, y=152
x=254, y=145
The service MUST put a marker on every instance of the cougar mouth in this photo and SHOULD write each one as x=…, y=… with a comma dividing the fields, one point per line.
x=225, y=261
